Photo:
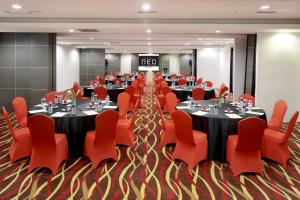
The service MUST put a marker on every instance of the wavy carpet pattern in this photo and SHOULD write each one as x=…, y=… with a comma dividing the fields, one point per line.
x=145, y=172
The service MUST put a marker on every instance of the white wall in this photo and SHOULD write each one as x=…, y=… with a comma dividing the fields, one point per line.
x=126, y=63
x=174, y=64
x=278, y=71
x=67, y=66
x=213, y=64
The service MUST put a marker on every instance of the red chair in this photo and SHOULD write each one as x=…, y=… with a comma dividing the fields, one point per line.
x=168, y=135
x=248, y=97
x=123, y=104
x=100, y=143
x=130, y=90
x=191, y=145
x=208, y=83
x=101, y=92
x=124, y=133
x=49, y=149
x=199, y=81
x=274, y=144
x=198, y=94
x=171, y=101
x=181, y=82
x=279, y=111
x=117, y=81
x=51, y=95
x=21, y=144
x=243, y=150
x=101, y=81
x=20, y=108
x=77, y=91
x=223, y=91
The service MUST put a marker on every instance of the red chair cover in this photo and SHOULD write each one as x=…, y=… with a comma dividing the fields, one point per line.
x=278, y=114
x=20, y=108
x=101, y=92
x=123, y=104
x=198, y=94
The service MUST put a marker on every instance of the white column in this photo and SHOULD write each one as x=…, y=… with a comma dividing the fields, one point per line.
x=174, y=64
x=126, y=63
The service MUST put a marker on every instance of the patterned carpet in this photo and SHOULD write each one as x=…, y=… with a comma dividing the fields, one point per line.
x=144, y=172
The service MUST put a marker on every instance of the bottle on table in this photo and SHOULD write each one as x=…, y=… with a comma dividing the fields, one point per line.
x=107, y=99
x=55, y=99
x=50, y=108
x=92, y=97
x=250, y=105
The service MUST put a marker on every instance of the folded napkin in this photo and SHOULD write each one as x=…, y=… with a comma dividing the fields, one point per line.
x=110, y=107
x=200, y=113
x=233, y=116
x=255, y=108
x=104, y=101
x=37, y=111
x=38, y=105
x=185, y=102
x=90, y=112
x=254, y=113
x=182, y=107
x=58, y=114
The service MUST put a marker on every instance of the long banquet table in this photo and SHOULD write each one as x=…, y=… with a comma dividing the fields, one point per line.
x=217, y=126
x=112, y=92
x=182, y=93
x=75, y=125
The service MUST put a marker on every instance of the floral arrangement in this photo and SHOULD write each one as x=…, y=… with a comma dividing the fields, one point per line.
x=70, y=94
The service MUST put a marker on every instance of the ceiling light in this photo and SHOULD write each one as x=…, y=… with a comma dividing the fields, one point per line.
x=264, y=7
x=218, y=31
x=149, y=43
x=200, y=39
x=91, y=38
x=148, y=38
x=71, y=30
x=187, y=43
x=16, y=6
x=148, y=31
x=146, y=7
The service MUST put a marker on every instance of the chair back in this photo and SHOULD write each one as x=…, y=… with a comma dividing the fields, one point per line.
x=250, y=133
x=123, y=102
x=279, y=111
x=166, y=90
x=130, y=90
x=248, y=97
x=208, y=83
x=199, y=81
x=171, y=101
x=163, y=84
x=117, y=81
x=198, y=94
x=223, y=90
x=42, y=129
x=101, y=92
x=51, y=95
x=181, y=82
x=290, y=127
x=183, y=127
x=106, y=123
x=101, y=81
x=20, y=108
x=10, y=127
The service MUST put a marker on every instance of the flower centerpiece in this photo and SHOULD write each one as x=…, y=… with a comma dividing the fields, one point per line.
x=70, y=95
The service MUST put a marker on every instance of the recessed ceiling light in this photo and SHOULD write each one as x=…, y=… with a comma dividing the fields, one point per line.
x=91, y=38
x=146, y=7
x=148, y=38
x=148, y=31
x=264, y=7
x=218, y=31
x=200, y=39
x=149, y=48
x=16, y=6
x=149, y=43
x=71, y=30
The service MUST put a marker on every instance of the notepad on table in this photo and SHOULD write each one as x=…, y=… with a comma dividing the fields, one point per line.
x=254, y=113
x=110, y=107
x=37, y=111
x=182, y=107
x=58, y=114
x=233, y=116
x=200, y=113
x=90, y=112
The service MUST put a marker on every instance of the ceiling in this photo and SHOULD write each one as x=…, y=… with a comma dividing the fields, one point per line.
x=176, y=25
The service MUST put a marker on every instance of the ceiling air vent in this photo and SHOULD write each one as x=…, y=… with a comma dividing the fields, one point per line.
x=265, y=12
x=87, y=30
x=147, y=12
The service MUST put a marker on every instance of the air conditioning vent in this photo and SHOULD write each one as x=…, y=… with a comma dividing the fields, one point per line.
x=265, y=12
x=87, y=30
x=147, y=12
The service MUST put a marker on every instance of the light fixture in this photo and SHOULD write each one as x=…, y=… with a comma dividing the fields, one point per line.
x=148, y=31
x=200, y=39
x=71, y=30
x=16, y=6
x=146, y=7
x=264, y=7
x=148, y=38
x=218, y=31
x=91, y=38
x=186, y=44
x=149, y=43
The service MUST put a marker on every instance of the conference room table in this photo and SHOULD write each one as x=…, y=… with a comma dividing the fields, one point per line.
x=183, y=93
x=111, y=81
x=175, y=82
x=74, y=125
x=218, y=126
x=112, y=91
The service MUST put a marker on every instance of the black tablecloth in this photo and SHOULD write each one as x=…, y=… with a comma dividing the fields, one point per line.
x=183, y=93
x=217, y=127
x=169, y=81
x=75, y=126
x=112, y=92
x=112, y=81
